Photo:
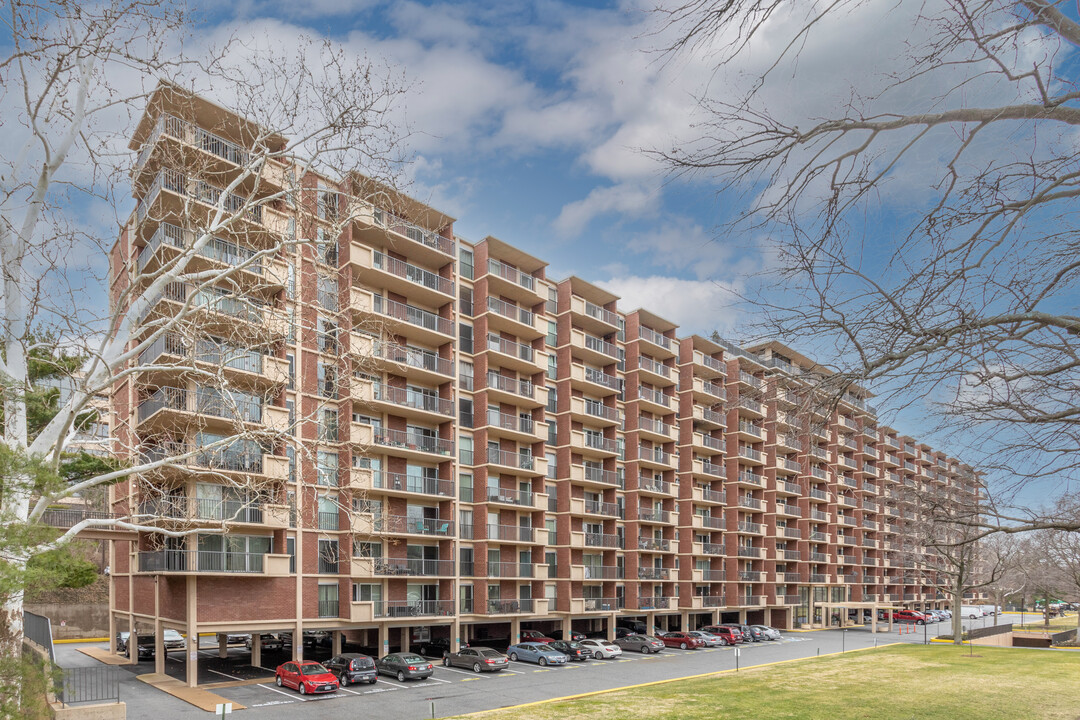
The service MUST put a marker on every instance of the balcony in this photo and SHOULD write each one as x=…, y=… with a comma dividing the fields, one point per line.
x=515, y=534
x=704, y=467
x=411, y=608
x=411, y=444
x=748, y=502
x=580, y=573
x=592, y=349
x=218, y=311
x=654, y=603
x=594, y=412
x=240, y=365
x=750, y=528
x=653, y=372
x=652, y=573
x=510, y=570
x=520, y=426
x=529, y=606
x=409, y=320
x=788, y=510
x=792, y=533
x=655, y=430
x=169, y=408
x=374, y=223
x=708, y=417
x=660, y=343
x=219, y=462
x=710, y=366
x=652, y=515
x=256, y=270
x=170, y=194
x=652, y=486
x=593, y=381
x=701, y=521
x=707, y=391
x=750, y=455
x=411, y=402
x=412, y=362
x=594, y=444
x=751, y=576
x=595, y=476
x=509, y=281
x=584, y=605
x=579, y=539
x=654, y=401
x=407, y=567
x=519, y=463
x=517, y=498
x=654, y=544
x=512, y=391
x=708, y=495
x=208, y=562
x=655, y=456
x=400, y=484
x=379, y=270
x=751, y=479
x=515, y=320
x=746, y=551
x=403, y=524
x=712, y=549
x=169, y=510
x=514, y=355
x=788, y=488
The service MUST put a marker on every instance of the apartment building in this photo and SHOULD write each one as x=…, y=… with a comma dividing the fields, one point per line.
x=435, y=440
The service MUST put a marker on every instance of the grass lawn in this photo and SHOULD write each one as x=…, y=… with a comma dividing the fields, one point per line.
x=909, y=682
x=1034, y=623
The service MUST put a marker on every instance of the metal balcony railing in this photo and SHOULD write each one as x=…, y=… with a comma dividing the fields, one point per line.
x=413, y=567
x=602, y=540
x=384, y=480
x=412, y=315
x=412, y=273
x=599, y=313
x=523, y=498
x=654, y=337
x=509, y=458
x=515, y=533
x=647, y=543
x=413, y=525
x=509, y=347
x=511, y=311
x=512, y=274
x=508, y=607
x=510, y=570
x=524, y=388
x=204, y=401
x=413, y=608
x=200, y=561
x=417, y=400
x=412, y=441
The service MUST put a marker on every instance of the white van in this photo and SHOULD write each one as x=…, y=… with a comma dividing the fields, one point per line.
x=972, y=611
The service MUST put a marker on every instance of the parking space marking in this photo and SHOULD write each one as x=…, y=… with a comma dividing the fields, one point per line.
x=351, y=692
x=216, y=672
x=438, y=680
x=542, y=670
x=294, y=698
x=387, y=682
x=513, y=672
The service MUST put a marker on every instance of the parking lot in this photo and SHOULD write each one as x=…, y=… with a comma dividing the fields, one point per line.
x=454, y=691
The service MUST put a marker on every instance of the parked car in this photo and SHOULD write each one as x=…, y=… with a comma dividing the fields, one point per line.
x=906, y=616
x=644, y=644
x=535, y=636
x=934, y=615
x=601, y=648
x=731, y=635
x=573, y=635
x=571, y=649
x=353, y=668
x=405, y=666
x=540, y=653
x=708, y=639
x=681, y=640
x=743, y=630
x=621, y=632
x=172, y=640
x=480, y=659
x=269, y=642
x=306, y=677
x=992, y=610
x=971, y=612
x=766, y=632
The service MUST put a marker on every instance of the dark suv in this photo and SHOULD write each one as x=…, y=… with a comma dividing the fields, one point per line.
x=352, y=668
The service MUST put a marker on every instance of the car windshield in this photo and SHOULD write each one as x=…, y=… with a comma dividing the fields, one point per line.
x=313, y=669
x=362, y=662
x=490, y=653
x=412, y=659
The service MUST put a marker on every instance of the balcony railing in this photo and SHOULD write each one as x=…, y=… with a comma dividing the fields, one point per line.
x=712, y=548
x=203, y=401
x=204, y=350
x=511, y=311
x=412, y=273
x=509, y=607
x=412, y=357
x=652, y=573
x=602, y=540
x=412, y=315
x=713, y=469
x=600, y=377
x=413, y=525
x=654, y=337
x=656, y=368
x=512, y=274
x=200, y=561
x=407, y=397
x=601, y=604
x=601, y=346
x=646, y=603
x=655, y=454
x=199, y=190
x=653, y=396
x=655, y=485
x=655, y=426
x=598, y=409
x=412, y=441
x=509, y=347
x=653, y=515
x=599, y=475
x=524, y=388
x=223, y=251
x=599, y=442
x=516, y=533
x=654, y=544
x=510, y=496
x=603, y=572
x=599, y=313
x=509, y=458
x=384, y=480
x=413, y=608
x=509, y=569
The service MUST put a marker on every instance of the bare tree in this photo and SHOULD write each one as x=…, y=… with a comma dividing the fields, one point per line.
x=924, y=224
x=205, y=298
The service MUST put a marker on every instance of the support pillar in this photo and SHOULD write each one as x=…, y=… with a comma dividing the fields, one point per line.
x=611, y=628
x=515, y=631
x=406, y=639
x=298, y=643
x=335, y=642
x=384, y=641
x=566, y=626
x=222, y=645
x=191, y=663
x=455, y=635
x=159, y=634
x=133, y=645
x=650, y=622
x=256, y=649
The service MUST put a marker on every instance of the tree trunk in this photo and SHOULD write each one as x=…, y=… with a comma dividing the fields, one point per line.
x=957, y=619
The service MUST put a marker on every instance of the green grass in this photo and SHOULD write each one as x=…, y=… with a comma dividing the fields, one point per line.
x=902, y=682
x=1056, y=624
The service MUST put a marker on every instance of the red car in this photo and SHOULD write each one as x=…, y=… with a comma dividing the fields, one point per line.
x=731, y=636
x=680, y=640
x=535, y=636
x=306, y=676
x=908, y=616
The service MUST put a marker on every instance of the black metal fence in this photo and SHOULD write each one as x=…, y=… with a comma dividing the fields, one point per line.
x=38, y=629
x=89, y=684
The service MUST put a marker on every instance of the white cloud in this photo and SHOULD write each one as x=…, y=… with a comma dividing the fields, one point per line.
x=630, y=200
x=697, y=306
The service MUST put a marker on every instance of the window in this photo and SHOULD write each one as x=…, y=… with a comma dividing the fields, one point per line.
x=465, y=412
x=466, y=556
x=327, y=469
x=465, y=336
x=328, y=425
x=290, y=281
x=552, y=399
x=328, y=557
x=466, y=375
x=466, y=301
x=465, y=483
x=367, y=550
x=327, y=380
x=328, y=293
x=552, y=367
x=550, y=463
x=365, y=592
x=467, y=268
x=291, y=359
x=328, y=600
x=465, y=453
x=552, y=305
x=326, y=339
x=552, y=334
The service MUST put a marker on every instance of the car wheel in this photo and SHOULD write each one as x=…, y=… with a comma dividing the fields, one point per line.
x=598, y=655
x=542, y=662
x=446, y=662
x=400, y=676
x=278, y=680
x=302, y=689
x=343, y=680
x=644, y=649
x=476, y=667
x=682, y=646
x=373, y=680
x=920, y=622
x=513, y=656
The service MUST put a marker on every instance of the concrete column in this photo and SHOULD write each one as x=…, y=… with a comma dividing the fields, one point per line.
x=611, y=628
x=298, y=643
x=256, y=649
x=191, y=660
x=159, y=635
x=384, y=641
x=873, y=619
x=406, y=639
x=222, y=645
x=455, y=635
x=335, y=642
x=515, y=631
x=112, y=594
x=133, y=645
x=566, y=627
x=650, y=620
x=112, y=632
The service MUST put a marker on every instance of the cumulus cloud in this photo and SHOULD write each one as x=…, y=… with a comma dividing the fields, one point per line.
x=698, y=306
x=630, y=200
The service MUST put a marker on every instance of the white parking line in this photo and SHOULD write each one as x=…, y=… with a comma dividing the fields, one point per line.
x=438, y=680
x=351, y=692
x=216, y=672
x=450, y=669
x=387, y=682
x=288, y=695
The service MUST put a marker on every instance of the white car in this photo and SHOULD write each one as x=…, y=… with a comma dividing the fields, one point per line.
x=972, y=611
x=767, y=632
x=601, y=648
x=709, y=639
